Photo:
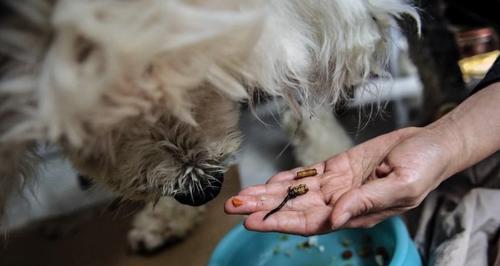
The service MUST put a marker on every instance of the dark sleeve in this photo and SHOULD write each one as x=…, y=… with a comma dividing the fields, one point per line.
x=491, y=77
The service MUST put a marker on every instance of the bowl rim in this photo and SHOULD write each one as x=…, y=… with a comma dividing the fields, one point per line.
x=401, y=240
x=396, y=225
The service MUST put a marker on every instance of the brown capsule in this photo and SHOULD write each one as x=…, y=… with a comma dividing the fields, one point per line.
x=307, y=173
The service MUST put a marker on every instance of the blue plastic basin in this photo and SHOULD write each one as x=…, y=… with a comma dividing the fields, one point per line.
x=241, y=247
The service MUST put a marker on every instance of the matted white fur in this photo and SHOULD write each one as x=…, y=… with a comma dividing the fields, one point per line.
x=142, y=94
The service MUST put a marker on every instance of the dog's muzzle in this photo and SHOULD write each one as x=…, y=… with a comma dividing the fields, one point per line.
x=201, y=189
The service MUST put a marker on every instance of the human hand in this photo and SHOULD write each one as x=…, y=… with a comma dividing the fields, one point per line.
x=357, y=188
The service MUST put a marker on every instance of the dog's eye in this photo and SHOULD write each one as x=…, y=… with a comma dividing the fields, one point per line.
x=84, y=48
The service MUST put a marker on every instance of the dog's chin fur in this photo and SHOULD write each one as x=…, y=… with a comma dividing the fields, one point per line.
x=139, y=93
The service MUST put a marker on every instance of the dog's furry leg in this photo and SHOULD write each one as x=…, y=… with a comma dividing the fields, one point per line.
x=316, y=138
x=158, y=225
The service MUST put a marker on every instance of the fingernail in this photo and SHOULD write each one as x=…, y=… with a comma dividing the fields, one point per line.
x=236, y=202
x=341, y=220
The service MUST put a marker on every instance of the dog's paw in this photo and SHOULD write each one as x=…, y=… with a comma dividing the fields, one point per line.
x=167, y=222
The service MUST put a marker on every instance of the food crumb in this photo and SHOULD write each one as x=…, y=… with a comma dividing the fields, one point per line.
x=276, y=250
x=311, y=242
x=283, y=237
x=345, y=242
x=347, y=254
x=304, y=245
x=365, y=251
x=236, y=202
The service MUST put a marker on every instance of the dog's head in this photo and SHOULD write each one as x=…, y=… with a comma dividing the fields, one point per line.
x=166, y=157
x=143, y=94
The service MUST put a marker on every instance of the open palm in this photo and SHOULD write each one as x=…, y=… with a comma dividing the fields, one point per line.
x=357, y=188
x=306, y=214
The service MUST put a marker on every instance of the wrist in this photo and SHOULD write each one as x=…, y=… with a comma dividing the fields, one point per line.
x=447, y=138
x=470, y=132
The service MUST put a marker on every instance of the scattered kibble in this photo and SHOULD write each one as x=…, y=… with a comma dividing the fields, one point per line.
x=276, y=250
x=345, y=242
x=347, y=254
x=283, y=237
x=304, y=245
x=311, y=242
x=365, y=251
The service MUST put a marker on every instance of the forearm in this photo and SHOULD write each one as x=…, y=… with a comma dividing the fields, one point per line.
x=471, y=132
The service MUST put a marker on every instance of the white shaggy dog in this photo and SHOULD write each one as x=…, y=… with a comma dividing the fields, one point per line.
x=143, y=94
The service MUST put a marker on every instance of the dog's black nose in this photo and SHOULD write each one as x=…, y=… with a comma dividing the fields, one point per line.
x=202, y=191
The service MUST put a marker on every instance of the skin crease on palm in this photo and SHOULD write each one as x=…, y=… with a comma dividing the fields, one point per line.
x=382, y=177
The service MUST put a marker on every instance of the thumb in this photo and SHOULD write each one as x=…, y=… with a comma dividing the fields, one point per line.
x=376, y=195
